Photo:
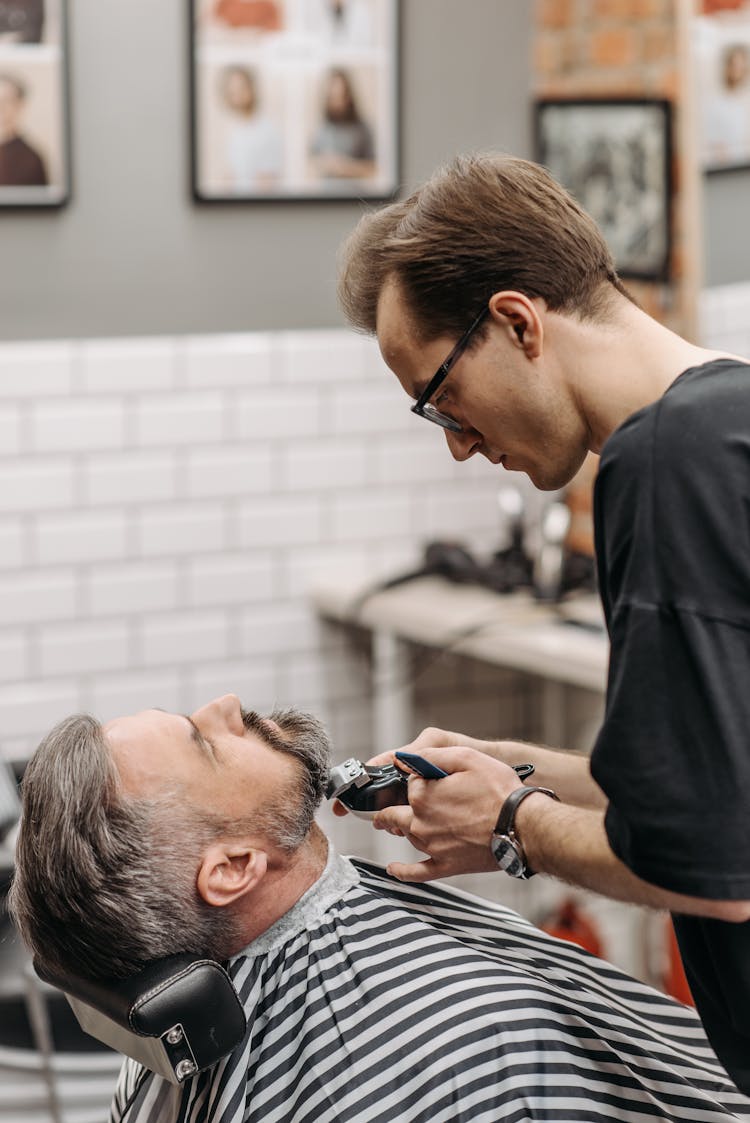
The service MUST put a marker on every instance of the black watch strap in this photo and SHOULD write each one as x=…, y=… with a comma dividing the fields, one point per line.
x=506, y=846
x=508, y=810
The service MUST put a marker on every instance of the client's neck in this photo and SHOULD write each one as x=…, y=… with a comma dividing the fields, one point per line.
x=287, y=879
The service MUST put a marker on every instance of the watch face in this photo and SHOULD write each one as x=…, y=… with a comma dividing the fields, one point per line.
x=507, y=856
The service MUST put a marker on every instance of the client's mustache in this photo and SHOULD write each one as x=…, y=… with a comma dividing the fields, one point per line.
x=303, y=737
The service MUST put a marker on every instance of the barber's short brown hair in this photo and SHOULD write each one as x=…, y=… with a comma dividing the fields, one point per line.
x=482, y=224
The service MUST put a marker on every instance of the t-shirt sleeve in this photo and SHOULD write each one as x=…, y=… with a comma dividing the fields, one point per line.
x=673, y=755
x=673, y=752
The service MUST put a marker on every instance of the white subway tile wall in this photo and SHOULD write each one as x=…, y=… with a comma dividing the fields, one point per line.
x=724, y=318
x=165, y=505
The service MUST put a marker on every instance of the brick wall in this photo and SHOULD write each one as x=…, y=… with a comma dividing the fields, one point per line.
x=632, y=48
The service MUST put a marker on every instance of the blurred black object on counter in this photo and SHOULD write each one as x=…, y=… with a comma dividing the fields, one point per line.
x=506, y=571
x=535, y=555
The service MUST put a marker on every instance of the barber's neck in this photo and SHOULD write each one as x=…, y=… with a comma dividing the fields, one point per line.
x=618, y=366
x=287, y=878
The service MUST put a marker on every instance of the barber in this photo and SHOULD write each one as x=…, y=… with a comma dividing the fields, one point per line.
x=495, y=279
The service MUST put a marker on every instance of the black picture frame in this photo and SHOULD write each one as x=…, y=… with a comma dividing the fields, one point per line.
x=615, y=156
x=303, y=106
x=35, y=162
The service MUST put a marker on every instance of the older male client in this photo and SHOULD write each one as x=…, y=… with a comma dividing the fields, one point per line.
x=366, y=999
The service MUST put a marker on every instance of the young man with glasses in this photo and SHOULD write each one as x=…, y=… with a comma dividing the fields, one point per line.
x=549, y=358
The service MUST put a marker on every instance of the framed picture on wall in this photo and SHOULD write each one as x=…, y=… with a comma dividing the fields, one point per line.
x=294, y=99
x=721, y=71
x=34, y=145
x=614, y=156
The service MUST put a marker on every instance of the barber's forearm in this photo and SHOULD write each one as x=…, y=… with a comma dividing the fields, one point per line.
x=567, y=773
x=570, y=843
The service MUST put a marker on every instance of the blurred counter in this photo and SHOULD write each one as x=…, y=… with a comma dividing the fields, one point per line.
x=563, y=644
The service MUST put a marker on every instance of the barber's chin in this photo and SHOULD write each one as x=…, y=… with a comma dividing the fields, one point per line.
x=548, y=480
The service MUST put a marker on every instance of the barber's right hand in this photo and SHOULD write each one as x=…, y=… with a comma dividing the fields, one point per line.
x=430, y=738
x=451, y=819
x=433, y=738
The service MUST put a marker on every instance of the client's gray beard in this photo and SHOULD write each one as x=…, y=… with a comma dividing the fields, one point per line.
x=305, y=739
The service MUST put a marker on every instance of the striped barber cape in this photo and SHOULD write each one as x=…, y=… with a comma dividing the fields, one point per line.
x=381, y=1002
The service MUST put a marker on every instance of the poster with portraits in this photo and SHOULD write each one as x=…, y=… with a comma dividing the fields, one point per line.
x=721, y=71
x=294, y=99
x=34, y=157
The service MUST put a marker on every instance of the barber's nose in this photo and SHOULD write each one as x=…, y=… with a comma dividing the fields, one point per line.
x=464, y=444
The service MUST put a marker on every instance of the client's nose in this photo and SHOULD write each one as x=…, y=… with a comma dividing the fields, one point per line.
x=225, y=711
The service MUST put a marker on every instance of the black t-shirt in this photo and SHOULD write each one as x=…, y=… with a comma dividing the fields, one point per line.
x=672, y=517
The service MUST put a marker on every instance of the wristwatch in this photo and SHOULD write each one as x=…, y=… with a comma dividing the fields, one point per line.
x=505, y=844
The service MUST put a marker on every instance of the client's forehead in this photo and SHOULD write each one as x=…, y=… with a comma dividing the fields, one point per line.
x=147, y=724
x=154, y=751
x=152, y=748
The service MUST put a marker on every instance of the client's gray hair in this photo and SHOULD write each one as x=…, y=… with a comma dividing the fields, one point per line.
x=105, y=882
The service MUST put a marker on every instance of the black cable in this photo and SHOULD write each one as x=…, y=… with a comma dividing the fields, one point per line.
x=420, y=665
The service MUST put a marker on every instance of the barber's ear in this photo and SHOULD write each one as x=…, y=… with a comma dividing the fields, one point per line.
x=519, y=316
x=229, y=870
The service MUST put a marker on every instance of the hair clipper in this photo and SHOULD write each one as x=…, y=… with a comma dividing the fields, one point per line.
x=364, y=788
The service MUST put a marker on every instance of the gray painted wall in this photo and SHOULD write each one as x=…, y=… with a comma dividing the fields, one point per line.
x=726, y=229
x=131, y=254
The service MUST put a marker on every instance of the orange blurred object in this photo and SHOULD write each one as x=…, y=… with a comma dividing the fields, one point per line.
x=579, y=499
x=262, y=14
x=675, y=982
x=569, y=922
x=708, y=7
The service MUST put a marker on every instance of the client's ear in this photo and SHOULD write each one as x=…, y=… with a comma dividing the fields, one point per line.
x=230, y=868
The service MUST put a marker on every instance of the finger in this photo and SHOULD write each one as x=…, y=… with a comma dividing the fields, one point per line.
x=394, y=819
x=338, y=808
x=433, y=738
x=416, y=871
x=381, y=759
x=460, y=758
x=428, y=739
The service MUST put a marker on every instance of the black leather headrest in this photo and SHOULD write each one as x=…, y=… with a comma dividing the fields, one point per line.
x=196, y=995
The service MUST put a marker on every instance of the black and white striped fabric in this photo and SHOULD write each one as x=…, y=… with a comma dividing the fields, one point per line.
x=388, y=1003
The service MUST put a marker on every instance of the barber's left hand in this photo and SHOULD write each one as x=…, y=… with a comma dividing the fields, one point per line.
x=451, y=819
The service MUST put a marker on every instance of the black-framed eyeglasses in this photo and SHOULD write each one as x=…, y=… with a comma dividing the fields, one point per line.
x=422, y=406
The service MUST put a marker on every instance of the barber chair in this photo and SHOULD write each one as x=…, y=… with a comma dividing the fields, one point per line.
x=178, y=1016
x=10, y=811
